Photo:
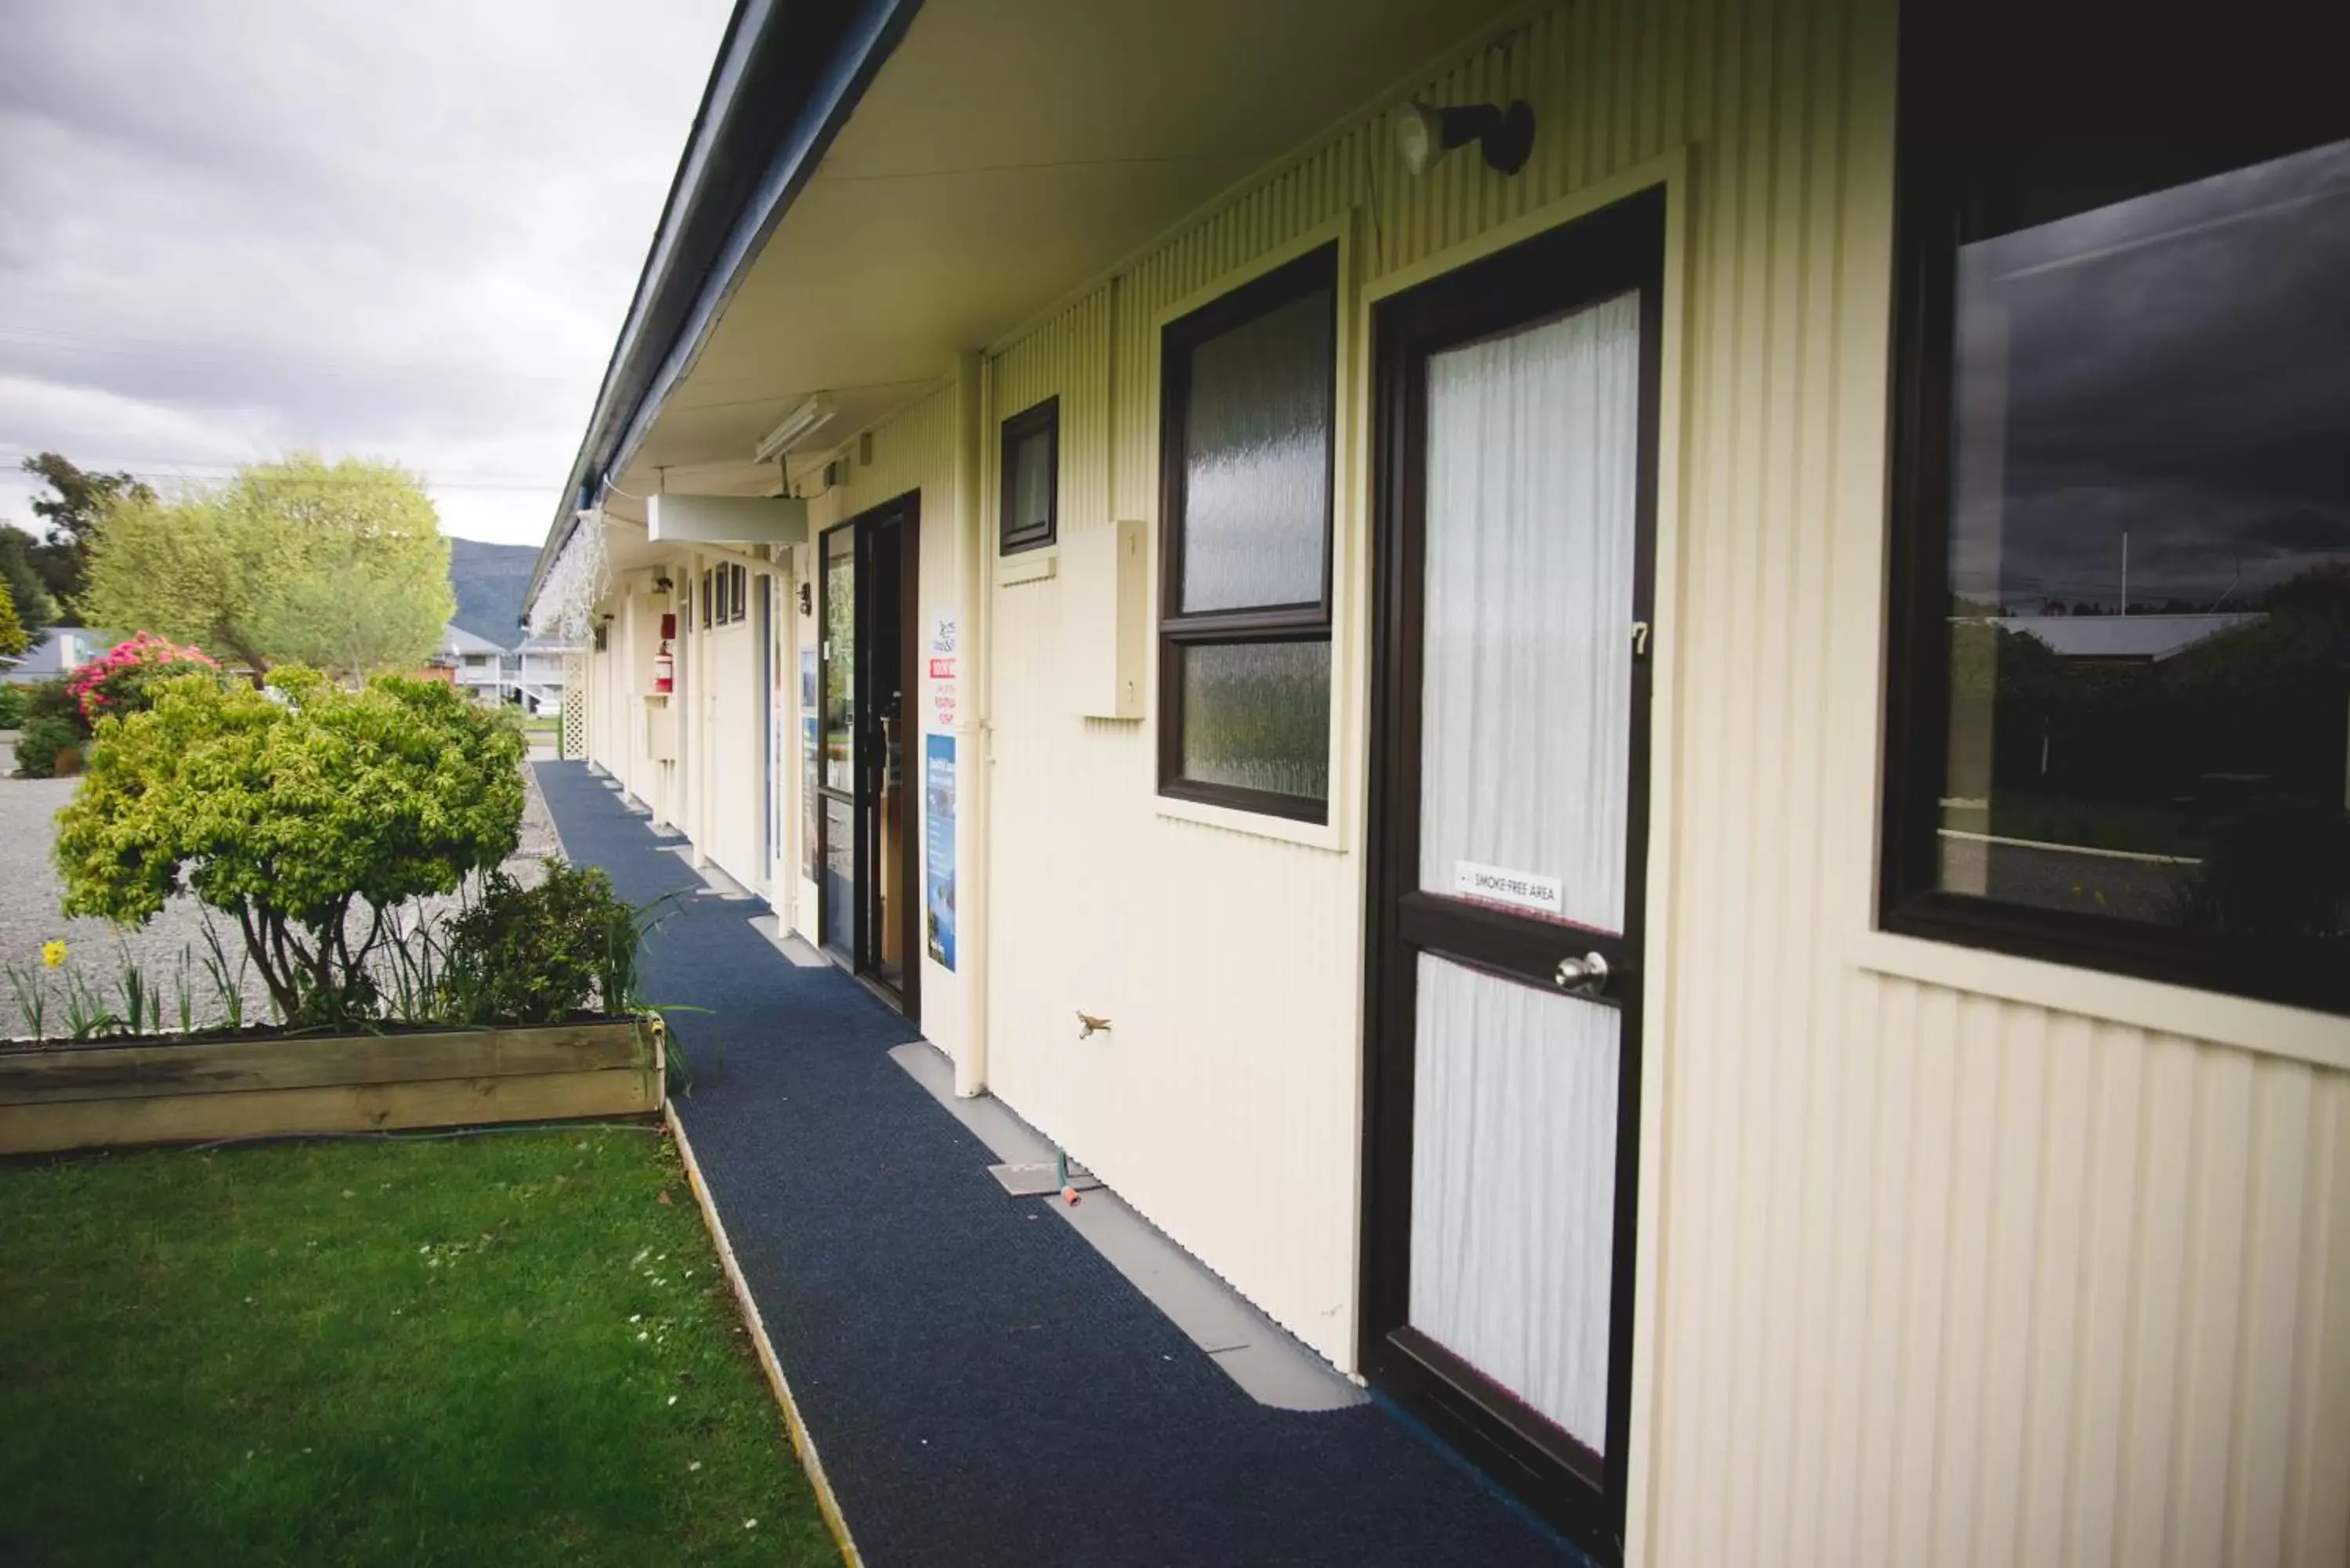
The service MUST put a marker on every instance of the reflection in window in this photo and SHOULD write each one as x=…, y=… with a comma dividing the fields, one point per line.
x=840, y=658
x=2149, y=559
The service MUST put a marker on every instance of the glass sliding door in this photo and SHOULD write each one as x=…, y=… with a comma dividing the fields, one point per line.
x=838, y=924
x=869, y=852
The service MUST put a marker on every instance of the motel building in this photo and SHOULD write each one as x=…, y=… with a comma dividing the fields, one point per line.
x=1452, y=571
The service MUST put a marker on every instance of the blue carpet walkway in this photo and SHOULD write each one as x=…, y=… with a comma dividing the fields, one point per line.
x=984, y=1387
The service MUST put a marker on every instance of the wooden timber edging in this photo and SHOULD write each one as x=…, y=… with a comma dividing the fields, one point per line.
x=59, y=1097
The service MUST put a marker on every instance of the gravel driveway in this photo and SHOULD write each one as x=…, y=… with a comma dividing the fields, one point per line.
x=30, y=895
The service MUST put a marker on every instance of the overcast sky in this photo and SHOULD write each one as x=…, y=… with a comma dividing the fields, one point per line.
x=2177, y=366
x=229, y=228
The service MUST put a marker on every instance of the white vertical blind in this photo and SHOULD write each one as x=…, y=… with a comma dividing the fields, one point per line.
x=1533, y=456
x=1514, y=1186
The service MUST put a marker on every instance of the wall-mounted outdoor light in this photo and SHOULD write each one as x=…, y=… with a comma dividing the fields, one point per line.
x=1506, y=136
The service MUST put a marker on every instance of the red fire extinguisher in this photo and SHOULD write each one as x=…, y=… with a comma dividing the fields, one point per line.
x=664, y=663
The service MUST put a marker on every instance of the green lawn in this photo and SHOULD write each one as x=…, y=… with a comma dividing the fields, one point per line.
x=515, y=1348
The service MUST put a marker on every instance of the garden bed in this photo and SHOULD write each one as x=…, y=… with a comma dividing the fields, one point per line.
x=56, y=1097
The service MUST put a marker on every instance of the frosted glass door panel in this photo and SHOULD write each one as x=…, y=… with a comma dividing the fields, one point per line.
x=1513, y=1187
x=1525, y=719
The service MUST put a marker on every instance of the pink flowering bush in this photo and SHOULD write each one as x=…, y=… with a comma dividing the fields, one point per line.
x=119, y=679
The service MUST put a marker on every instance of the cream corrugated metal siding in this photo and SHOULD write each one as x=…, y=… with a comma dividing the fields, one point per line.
x=1943, y=1279
x=1939, y=1278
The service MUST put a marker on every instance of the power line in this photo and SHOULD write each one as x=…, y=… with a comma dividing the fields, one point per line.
x=169, y=469
x=226, y=354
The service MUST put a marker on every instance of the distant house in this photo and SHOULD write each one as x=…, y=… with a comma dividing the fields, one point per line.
x=476, y=663
x=2126, y=639
x=534, y=672
x=59, y=650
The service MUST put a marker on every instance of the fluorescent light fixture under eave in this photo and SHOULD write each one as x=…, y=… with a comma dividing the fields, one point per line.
x=797, y=425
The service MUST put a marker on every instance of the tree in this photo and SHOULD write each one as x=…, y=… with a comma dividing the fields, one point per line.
x=74, y=517
x=13, y=640
x=34, y=608
x=341, y=567
x=306, y=812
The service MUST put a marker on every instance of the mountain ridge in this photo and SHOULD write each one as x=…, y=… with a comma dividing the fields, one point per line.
x=489, y=581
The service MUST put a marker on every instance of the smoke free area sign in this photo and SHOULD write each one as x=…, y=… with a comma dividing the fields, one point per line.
x=1511, y=889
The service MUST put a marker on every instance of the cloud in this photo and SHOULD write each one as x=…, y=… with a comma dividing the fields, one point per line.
x=2175, y=367
x=407, y=231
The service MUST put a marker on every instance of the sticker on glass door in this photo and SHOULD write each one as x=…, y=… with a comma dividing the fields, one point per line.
x=1511, y=889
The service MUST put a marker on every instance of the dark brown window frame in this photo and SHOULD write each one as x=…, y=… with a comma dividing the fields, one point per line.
x=1042, y=419
x=726, y=594
x=1956, y=183
x=1179, y=631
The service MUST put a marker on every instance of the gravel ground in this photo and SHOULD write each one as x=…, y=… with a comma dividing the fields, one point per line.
x=30, y=895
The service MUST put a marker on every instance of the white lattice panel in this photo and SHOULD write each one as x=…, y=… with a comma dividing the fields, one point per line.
x=574, y=736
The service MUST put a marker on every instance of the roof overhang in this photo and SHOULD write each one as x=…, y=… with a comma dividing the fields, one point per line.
x=961, y=171
x=788, y=72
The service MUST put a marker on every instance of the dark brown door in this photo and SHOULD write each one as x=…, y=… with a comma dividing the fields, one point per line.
x=1516, y=460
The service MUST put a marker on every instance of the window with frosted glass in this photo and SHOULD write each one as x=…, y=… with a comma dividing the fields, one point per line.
x=1256, y=461
x=1248, y=399
x=1028, y=510
x=2122, y=719
x=1256, y=716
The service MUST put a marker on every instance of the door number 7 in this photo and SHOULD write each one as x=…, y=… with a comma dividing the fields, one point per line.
x=1639, y=639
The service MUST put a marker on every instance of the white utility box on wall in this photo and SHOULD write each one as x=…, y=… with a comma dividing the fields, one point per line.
x=661, y=730
x=1104, y=607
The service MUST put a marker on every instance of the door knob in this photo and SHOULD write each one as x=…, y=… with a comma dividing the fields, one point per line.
x=1586, y=975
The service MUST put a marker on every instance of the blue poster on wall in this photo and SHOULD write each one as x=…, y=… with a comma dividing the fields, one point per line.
x=939, y=818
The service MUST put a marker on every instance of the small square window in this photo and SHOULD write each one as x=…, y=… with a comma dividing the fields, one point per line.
x=1030, y=461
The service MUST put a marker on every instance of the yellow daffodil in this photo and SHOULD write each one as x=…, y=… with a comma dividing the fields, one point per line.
x=53, y=955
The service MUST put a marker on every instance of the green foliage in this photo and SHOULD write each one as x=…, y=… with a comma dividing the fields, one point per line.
x=539, y=955
x=43, y=744
x=32, y=991
x=52, y=722
x=11, y=707
x=2277, y=873
x=303, y=811
x=341, y=567
x=74, y=515
x=13, y=640
x=36, y=606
